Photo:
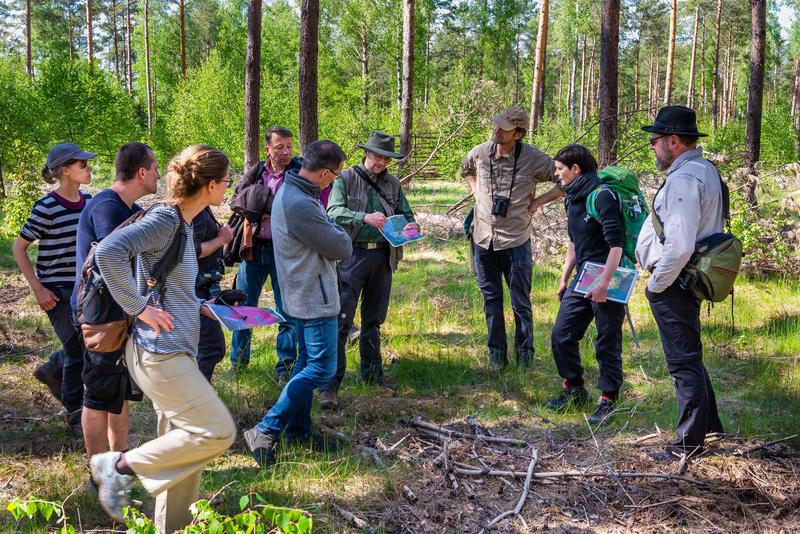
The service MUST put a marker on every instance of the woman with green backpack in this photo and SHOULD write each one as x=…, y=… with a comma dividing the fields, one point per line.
x=599, y=240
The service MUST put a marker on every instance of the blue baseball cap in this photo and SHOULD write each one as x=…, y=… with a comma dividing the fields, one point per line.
x=64, y=152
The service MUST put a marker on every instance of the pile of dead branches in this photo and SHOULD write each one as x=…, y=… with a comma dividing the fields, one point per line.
x=474, y=479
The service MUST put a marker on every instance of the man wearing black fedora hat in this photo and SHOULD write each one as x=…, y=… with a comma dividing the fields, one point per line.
x=362, y=197
x=687, y=208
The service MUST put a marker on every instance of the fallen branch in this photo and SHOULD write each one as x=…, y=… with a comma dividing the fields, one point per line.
x=525, y=488
x=353, y=518
x=764, y=446
x=419, y=423
x=464, y=469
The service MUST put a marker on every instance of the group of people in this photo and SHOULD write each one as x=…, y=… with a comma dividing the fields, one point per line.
x=314, y=229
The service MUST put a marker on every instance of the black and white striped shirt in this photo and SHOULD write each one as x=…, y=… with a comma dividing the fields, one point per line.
x=54, y=223
x=147, y=240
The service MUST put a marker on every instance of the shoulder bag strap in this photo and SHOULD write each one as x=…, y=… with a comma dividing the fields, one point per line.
x=374, y=186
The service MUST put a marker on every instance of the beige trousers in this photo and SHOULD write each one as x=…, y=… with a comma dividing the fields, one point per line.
x=194, y=427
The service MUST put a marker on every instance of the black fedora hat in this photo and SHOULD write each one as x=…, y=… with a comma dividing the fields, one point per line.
x=677, y=120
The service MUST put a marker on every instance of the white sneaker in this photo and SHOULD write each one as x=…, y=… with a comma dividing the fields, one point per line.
x=114, y=489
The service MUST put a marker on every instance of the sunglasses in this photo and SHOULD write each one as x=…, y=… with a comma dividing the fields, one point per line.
x=83, y=163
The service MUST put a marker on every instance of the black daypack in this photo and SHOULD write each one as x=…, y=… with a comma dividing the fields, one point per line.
x=104, y=324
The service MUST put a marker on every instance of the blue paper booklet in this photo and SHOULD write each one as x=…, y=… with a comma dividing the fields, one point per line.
x=620, y=288
x=393, y=231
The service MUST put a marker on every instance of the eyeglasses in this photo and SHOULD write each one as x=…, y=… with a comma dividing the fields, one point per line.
x=334, y=172
x=228, y=182
x=654, y=139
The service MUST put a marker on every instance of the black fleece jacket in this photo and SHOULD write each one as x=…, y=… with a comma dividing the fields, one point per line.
x=592, y=239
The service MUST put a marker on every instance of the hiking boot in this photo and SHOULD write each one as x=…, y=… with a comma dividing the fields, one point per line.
x=497, y=360
x=525, y=358
x=264, y=447
x=114, y=488
x=571, y=396
x=603, y=411
x=49, y=374
x=328, y=400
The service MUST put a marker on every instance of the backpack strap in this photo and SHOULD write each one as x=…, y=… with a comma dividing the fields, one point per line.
x=658, y=224
x=171, y=256
x=374, y=186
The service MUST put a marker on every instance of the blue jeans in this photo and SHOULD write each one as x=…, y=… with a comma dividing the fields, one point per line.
x=251, y=278
x=316, y=365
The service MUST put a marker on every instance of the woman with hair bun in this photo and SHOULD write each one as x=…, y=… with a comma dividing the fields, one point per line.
x=54, y=223
x=194, y=426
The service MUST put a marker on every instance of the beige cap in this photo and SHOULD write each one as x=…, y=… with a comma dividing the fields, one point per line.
x=512, y=118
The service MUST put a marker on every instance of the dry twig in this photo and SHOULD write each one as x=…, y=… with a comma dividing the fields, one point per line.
x=525, y=488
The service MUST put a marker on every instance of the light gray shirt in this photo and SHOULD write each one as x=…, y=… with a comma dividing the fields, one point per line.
x=690, y=207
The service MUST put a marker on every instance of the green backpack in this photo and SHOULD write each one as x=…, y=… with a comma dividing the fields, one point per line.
x=625, y=185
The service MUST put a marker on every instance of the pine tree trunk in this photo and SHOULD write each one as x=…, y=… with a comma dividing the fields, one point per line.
x=182, y=26
x=309, y=50
x=89, y=33
x=129, y=46
x=650, y=84
x=583, y=79
x=252, y=84
x=407, y=109
x=517, y=74
x=673, y=30
x=28, y=45
x=703, y=66
x=796, y=107
x=715, y=89
x=693, y=62
x=115, y=36
x=726, y=102
x=148, y=81
x=752, y=142
x=364, y=67
x=572, y=79
x=538, y=69
x=589, y=107
x=609, y=54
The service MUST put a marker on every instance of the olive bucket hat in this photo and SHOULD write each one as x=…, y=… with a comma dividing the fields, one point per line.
x=675, y=120
x=381, y=143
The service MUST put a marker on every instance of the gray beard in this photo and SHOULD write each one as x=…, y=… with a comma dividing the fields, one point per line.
x=662, y=165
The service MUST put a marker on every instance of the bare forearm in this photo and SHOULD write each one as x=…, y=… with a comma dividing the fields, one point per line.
x=569, y=263
x=472, y=183
x=612, y=262
x=554, y=194
x=20, y=250
x=207, y=248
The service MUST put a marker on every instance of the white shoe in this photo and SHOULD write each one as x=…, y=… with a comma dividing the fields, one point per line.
x=114, y=489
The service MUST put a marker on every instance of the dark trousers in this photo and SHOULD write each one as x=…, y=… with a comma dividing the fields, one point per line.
x=574, y=316
x=211, y=349
x=677, y=315
x=367, y=275
x=70, y=336
x=515, y=265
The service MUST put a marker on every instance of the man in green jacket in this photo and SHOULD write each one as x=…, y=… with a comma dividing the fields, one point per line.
x=362, y=198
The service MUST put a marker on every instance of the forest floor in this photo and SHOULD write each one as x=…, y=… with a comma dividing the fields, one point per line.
x=392, y=473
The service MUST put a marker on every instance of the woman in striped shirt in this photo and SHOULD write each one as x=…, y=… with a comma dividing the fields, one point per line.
x=194, y=426
x=53, y=222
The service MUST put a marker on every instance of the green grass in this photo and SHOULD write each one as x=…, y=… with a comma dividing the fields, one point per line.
x=433, y=345
x=435, y=196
